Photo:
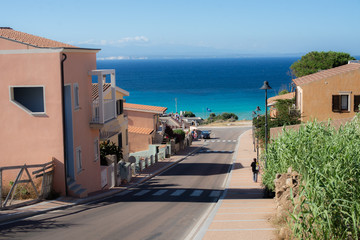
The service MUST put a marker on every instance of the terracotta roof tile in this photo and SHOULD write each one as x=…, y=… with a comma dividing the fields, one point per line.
x=95, y=90
x=32, y=40
x=326, y=73
x=140, y=130
x=144, y=108
x=278, y=97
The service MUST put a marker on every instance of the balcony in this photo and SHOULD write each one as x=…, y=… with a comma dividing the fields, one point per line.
x=103, y=108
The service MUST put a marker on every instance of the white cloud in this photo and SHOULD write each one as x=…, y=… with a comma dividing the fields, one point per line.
x=137, y=39
x=122, y=58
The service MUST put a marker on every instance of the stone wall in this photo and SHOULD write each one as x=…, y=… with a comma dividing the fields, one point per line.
x=286, y=189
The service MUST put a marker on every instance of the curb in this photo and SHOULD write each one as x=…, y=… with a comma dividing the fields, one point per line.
x=8, y=218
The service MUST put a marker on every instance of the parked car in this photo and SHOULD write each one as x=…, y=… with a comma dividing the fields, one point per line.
x=205, y=134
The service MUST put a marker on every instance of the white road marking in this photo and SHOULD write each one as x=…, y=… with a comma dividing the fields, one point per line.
x=196, y=193
x=177, y=193
x=215, y=194
x=142, y=192
x=160, y=192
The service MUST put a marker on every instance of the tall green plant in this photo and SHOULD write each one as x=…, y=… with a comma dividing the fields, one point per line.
x=329, y=162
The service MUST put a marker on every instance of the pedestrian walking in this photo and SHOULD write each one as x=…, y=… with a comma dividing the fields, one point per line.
x=255, y=169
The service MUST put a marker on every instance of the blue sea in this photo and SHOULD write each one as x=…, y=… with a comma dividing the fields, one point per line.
x=202, y=85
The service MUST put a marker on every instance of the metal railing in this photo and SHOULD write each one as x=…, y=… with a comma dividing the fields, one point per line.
x=44, y=170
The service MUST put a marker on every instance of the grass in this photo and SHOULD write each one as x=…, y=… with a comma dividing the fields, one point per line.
x=328, y=161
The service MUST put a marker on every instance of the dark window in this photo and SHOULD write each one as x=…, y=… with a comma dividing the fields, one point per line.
x=32, y=98
x=127, y=137
x=340, y=103
x=120, y=140
x=356, y=103
x=119, y=106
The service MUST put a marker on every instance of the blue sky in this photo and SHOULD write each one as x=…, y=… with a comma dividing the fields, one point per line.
x=191, y=27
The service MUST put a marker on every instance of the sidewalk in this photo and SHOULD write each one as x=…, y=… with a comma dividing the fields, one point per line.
x=65, y=202
x=242, y=213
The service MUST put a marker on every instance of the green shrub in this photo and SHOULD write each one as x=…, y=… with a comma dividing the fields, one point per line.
x=328, y=161
x=179, y=135
x=109, y=148
x=188, y=114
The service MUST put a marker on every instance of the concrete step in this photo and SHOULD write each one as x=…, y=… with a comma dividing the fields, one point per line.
x=76, y=190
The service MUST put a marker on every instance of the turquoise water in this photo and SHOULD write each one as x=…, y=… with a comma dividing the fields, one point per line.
x=222, y=85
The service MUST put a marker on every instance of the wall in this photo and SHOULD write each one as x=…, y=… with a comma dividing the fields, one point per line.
x=139, y=142
x=141, y=119
x=317, y=96
x=76, y=68
x=26, y=138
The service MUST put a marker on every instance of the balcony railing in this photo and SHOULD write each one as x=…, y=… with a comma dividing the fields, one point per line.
x=109, y=111
x=104, y=103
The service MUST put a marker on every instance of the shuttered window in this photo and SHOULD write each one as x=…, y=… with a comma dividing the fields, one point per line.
x=119, y=106
x=356, y=103
x=340, y=103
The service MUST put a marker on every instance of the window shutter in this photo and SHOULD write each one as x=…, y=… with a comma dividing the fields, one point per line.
x=118, y=107
x=356, y=103
x=121, y=106
x=336, y=104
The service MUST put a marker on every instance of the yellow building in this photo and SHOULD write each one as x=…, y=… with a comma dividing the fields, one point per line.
x=117, y=130
x=332, y=93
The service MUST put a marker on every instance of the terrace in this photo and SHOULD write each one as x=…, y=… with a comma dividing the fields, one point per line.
x=103, y=97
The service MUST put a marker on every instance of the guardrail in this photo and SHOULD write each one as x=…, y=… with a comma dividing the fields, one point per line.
x=44, y=170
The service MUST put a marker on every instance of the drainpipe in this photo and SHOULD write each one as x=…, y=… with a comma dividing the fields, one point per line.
x=63, y=118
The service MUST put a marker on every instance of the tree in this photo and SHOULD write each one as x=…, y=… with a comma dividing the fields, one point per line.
x=314, y=62
x=282, y=92
x=189, y=114
x=285, y=116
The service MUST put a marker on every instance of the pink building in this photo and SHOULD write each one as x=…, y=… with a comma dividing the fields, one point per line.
x=48, y=109
x=144, y=126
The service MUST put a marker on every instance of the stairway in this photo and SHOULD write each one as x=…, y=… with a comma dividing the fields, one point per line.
x=75, y=190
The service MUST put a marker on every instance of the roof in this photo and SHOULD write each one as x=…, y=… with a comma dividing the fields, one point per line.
x=126, y=93
x=272, y=100
x=32, y=40
x=326, y=73
x=144, y=108
x=140, y=130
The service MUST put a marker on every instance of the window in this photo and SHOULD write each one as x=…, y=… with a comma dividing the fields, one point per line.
x=119, y=106
x=78, y=159
x=127, y=137
x=96, y=150
x=356, y=103
x=120, y=140
x=76, y=96
x=29, y=98
x=340, y=103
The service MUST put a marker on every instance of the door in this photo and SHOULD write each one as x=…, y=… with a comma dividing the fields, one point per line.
x=69, y=142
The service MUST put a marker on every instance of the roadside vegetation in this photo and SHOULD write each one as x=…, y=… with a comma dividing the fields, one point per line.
x=328, y=162
x=284, y=117
x=189, y=114
x=229, y=117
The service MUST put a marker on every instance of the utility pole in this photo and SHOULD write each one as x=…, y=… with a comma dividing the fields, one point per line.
x=176, y=105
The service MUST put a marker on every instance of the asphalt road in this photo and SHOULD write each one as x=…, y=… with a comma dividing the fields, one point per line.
x=168, y=206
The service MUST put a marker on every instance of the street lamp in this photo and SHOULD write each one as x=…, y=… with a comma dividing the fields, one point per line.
x=266, y=87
